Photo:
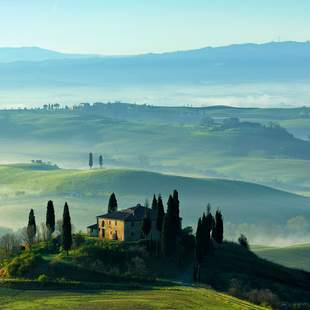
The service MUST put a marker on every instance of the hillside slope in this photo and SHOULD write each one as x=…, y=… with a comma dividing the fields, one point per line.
x=297, y=256
x=233, y=267
x=248, y=152
x=87, y=192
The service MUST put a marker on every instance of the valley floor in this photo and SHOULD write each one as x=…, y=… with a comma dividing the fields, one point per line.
x=162, y=298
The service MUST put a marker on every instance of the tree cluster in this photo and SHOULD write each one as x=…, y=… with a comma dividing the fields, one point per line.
x=47, y=229
x=208, y=228
x=91, y=160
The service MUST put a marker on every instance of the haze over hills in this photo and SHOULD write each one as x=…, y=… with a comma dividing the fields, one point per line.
x=284, y=61
x=87, y=192
x=253, y=74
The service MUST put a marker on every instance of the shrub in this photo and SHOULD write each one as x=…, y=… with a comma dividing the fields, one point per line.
x=42, y=278
x=243, y=241
x=236, y=288
x=137, y=266
x=23, y=264
x=78, y=240
x=3, y=273
x=264, y=298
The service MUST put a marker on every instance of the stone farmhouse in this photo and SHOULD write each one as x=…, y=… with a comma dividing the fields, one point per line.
x=124, y=225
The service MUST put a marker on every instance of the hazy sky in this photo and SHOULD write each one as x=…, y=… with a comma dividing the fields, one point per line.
x=137, y=26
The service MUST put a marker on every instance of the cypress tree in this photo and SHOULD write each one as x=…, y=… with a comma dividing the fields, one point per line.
x=146, y=224
x=199, y=241
x=100, y=161
x=90, y=160
x=50, y=217
x=165, y=237
x=66, y=229
x=218, y=234
x=112, y=206
x=169, y=229
x=160, y=213
x=176, y=213
x=31, y=227
x=154, y=204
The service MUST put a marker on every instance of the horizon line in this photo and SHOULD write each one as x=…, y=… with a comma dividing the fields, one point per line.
x=154, y=53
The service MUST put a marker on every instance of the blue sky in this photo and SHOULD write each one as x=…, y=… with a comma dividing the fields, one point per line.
x=139, y=26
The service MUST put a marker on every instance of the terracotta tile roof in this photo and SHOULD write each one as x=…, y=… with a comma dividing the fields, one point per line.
x=136, y=213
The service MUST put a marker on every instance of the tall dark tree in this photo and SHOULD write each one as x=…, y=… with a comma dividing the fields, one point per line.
x=100, y=161
x=176, y=223
x=50, y=217
x=90, y=160
x=31, y=228
x=66, y=229
x=146, y=224
x=199, y=241
x=165, y=241
x=218, y=230
x=112, y=206
x=208, y=227
x=160, y=213
x=154, y=204
x=170, y=229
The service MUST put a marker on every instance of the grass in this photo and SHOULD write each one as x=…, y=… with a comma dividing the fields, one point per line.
x=162, y=298
x=297, y=256
x=87, y=191
x=251, y=154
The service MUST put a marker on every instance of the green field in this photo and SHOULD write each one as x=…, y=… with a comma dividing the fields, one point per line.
x=296, y=256
x=168, y=298
x=87, y=191
x=169, y=140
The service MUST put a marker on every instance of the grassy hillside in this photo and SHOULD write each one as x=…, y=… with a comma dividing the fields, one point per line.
x=87, y=191
x=131, y=136
x=102, y=273
x=234, y=268
x=297, y=256
x=160, y=298
x=93, y=265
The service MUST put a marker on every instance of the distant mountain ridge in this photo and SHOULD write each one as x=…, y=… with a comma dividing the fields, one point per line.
x=15, y=54
x=289, y=48
x=287, y=61
x=262, y=73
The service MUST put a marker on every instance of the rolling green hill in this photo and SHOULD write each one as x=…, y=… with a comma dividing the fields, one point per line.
x=26, y=186
x=169, y=140
x=296, y=256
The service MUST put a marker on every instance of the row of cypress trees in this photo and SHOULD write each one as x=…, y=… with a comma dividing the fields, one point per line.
x=91, y=160
x=168, y=224
x=66, y=231
x=208, y=228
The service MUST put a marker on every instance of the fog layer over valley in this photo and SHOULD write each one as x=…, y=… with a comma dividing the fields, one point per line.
x=246, y=161
x=214, y=147
x=274, y=74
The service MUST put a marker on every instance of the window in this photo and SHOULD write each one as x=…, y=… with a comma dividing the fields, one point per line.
x=132, y=224
x=131, y=234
